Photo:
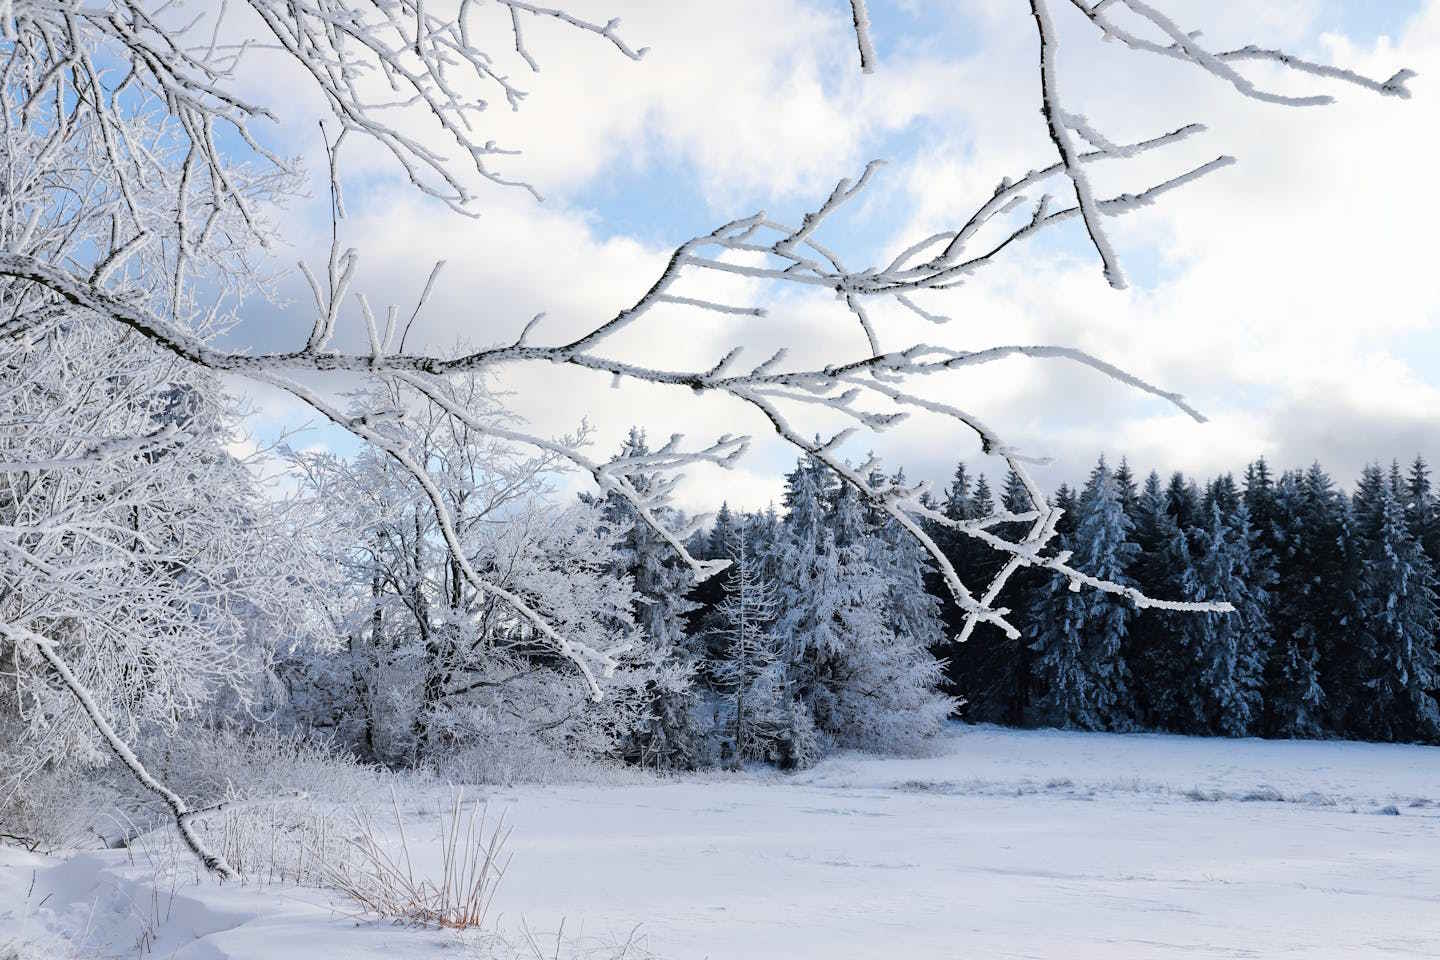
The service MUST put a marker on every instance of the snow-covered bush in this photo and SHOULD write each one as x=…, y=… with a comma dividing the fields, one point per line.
x=70, y=805
x=264, y=762
x=295, y=842
x=425, y=665
x=66, y=806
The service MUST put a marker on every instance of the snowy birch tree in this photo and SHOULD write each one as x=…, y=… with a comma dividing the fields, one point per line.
x=432, y=661
x=139, y=566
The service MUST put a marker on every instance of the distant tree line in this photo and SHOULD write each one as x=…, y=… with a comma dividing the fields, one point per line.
x=831, y=628
x=1335, y=627
x=818, y=635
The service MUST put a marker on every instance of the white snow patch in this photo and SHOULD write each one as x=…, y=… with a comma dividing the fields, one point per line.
x=1006, y=843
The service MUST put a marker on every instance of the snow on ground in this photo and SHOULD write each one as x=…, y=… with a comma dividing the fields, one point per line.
x=1005, y=844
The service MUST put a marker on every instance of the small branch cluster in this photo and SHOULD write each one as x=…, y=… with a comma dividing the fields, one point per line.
x=1178, y=44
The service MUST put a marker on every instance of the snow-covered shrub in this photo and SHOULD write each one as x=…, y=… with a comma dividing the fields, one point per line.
x=36, y=945
x=63, y=806
x=280, y=843
x=69, y=805
x=227, y=764
x=799, y=744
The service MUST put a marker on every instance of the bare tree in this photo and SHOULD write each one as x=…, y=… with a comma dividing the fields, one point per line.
x=124, y=105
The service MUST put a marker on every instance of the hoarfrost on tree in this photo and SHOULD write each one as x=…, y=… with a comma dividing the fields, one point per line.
x=140, y=186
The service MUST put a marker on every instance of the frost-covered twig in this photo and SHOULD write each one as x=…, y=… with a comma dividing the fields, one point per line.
x=860, y=16
x=1185, y=46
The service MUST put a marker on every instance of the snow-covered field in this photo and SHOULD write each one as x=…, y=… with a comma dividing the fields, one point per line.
x=1006, y=844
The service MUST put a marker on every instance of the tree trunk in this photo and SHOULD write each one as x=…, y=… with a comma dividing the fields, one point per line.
x=739, y=726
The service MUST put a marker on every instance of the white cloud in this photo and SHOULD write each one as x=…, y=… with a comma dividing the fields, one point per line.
x=1292, y=286
x=1287, y=287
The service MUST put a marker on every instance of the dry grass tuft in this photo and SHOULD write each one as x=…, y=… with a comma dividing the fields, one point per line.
x=473, y=862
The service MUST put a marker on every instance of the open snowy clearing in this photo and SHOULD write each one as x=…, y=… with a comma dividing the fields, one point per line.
x=1008, y=844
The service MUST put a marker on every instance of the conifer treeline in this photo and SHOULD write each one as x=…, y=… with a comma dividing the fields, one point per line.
x=818, y=636
x=829, y=627
x=1334, y=633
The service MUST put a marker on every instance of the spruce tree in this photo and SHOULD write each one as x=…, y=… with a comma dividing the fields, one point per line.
x=1344, y=657
x=965, y=664
x=1080, y=635
x=720, y=542
x=864, y=679
x=1127, y=489
x=957, y=495
x=1231, y=648
x=1066, y=500
x=903, y=564
x=1328, y=601
x=1422, y=509
x=1259, y=494
x=1259, y=499
x=1158, y=652
x=1222, y=493
x=1011, y=668
x=1293, y=697
x=984, y=503
x=1060, y=691
x=1398, y=622
x=1184, y=500
x=992, y=671
x=804, y=562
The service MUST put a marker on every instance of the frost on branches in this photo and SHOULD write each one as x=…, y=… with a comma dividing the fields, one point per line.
x=429, y=664
x=139, y=189
x=746, y=666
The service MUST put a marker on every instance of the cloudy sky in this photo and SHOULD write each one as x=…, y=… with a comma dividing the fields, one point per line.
x=1293, y=298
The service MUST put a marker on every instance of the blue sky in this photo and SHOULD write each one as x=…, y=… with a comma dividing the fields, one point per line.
x=1286, y=297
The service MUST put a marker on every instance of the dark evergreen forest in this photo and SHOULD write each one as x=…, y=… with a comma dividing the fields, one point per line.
x=1334, y=632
